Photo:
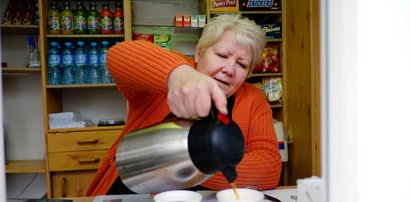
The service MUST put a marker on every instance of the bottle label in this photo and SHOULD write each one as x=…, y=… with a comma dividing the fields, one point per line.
x=103, y=58
x=53, y=22
x=54, y=59
x=80, y=23
x=92, y=23
x=67, y=59
x=93, y=59
x=118, y=24
x=106, y=23
x=66, y=23
x=80, y=59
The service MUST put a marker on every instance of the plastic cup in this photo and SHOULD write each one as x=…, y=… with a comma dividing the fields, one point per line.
x=246, y=195
x=178, y=196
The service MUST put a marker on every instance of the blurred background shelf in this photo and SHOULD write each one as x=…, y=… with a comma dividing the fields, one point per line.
x=26, y=166
x=10, y=29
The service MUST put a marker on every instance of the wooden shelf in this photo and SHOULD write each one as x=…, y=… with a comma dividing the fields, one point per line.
x=26, y=166
x=20, y=70
x=7, y=29
x=246, y=12
x=265, y=74
x=276, y=106
x=85, y=35
x=274, y=40
x=96, y=128
x=108, y=85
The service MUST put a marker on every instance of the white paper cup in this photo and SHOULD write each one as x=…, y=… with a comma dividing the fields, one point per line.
x=246, y=195
x=178, y=196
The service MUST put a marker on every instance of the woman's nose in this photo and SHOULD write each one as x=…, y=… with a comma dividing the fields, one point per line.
x=229, y=67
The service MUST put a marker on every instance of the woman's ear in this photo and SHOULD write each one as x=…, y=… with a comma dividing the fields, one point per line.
x=197, y=54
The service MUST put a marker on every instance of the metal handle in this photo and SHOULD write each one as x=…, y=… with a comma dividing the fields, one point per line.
x=86, y=161
x=63, y=190
x=92, y=141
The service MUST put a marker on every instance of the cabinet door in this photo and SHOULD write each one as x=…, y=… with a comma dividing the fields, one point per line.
x=71, y=184
x=79, y=160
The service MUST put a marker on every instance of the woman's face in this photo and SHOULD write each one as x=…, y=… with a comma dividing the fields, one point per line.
x=226, y=61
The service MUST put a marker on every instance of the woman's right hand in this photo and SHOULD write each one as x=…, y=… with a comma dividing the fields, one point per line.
x=191, y=93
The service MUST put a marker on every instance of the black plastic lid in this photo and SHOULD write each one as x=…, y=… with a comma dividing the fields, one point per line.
x=214, y=146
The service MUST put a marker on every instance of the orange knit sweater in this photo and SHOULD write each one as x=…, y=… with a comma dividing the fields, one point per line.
x=140, y=70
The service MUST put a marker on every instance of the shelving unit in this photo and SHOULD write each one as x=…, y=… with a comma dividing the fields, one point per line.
x=26, y=166
x=71, y=157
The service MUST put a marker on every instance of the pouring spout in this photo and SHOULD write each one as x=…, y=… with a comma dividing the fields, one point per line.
x=230, y=174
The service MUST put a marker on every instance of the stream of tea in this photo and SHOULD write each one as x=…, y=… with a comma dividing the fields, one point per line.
x=237, y=196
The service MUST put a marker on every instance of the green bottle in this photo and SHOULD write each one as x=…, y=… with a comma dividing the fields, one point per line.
x=93, y=20
x=80, y=20
x=66, y=19
x=53, y=19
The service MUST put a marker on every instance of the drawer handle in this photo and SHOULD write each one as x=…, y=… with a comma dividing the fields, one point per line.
x=85, y=161
x=63, y=189
x=92, y=141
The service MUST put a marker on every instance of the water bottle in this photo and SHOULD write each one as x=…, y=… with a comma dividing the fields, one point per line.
x=105, y=74
x=80, y=62
x=93, y=66
x=54, y=65
x=68, y=65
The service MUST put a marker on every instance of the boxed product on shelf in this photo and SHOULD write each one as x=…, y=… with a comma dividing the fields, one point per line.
x=272, y=30
x=194, y=20
x=162, y=40
x=260, y=5
x=67, y=120
x=178, y=20
x=224, y=5
x=187, y=20
x=144, y=37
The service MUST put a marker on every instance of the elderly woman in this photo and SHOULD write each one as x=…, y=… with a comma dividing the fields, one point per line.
x=159, y=83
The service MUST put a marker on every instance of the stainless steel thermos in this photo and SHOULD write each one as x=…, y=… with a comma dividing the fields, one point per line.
x=179, y=154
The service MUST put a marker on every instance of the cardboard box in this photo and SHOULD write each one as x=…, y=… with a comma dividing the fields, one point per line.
x=194, y=20
x=260, y=5
x=224, y=5
x=202, y=20
x=178, y=20
x=272, y=30
x=186, y=20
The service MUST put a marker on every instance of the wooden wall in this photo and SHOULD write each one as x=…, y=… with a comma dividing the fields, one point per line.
x=300, y=79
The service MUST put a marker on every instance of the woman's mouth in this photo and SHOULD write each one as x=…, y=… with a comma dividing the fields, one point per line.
x=221, y=82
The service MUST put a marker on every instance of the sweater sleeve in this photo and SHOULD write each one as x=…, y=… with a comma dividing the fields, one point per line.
x=142, y=66
x=261, y=165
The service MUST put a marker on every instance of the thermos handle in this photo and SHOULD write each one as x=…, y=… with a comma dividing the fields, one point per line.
x=216, y=115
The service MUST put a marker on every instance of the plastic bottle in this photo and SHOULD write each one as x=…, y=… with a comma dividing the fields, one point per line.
x=68, y=65
x=105, y=74
x=93, y=66
x=80, y=20
x=80, y=62
x=54, y=65
x=106, y=20
x=93, y=20
x=118, y=19
x=66, y=19
x=53, y=19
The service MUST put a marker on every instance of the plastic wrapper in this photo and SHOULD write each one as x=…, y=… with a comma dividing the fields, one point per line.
x=273, y=88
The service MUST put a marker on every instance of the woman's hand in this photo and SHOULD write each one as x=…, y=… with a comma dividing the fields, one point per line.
x=191, y=93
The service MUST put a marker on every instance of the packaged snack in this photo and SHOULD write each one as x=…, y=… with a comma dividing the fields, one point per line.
x=224, y=5
x=162, y=40
x=272, y=30
x=260, y=5
x=201, y=20
x=186, y=20
x=270, y=59
x=273, y=88
x=144, y=37
x=194, y=20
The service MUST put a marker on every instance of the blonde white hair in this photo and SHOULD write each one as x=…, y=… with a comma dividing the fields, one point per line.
x=247, y=33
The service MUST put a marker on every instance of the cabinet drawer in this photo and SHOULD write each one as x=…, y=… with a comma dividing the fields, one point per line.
x=71, y=184
x=80, y=141
x=61, y=161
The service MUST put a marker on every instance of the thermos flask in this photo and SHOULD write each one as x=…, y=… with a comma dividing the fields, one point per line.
x=179, y=154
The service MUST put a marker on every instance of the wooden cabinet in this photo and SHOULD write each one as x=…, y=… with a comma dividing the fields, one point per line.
x=70, y=183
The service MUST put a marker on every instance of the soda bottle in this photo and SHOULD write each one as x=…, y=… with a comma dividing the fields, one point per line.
x=106, y=20
x=66, y=19
x=80, y=62
x=118, y=19
x=54, y=65
x=53, y=19
x=68, y=65
x=93, y=66
x=80, y=21
x=105, y=75
x=93, y=20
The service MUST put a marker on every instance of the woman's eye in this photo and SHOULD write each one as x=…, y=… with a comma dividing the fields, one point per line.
x=222, y=56
x=242, y=65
